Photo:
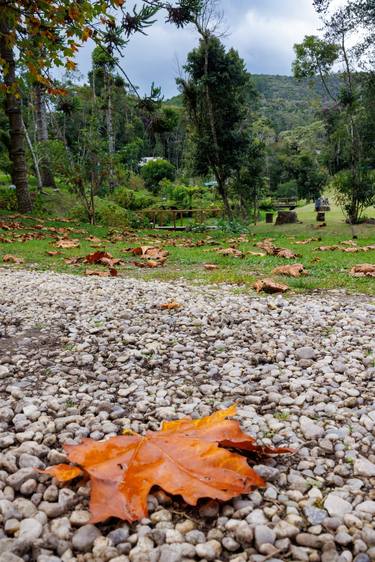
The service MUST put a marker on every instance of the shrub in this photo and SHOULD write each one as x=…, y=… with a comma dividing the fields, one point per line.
x=155, y=171
x=133, y=200
x=107, y=213
x=8, y=199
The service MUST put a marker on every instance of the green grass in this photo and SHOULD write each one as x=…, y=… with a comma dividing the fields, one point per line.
x=330, y=272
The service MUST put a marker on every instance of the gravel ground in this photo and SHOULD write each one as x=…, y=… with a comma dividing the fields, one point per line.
x=90, y=357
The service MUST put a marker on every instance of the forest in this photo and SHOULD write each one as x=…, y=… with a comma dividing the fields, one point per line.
x=102, y=153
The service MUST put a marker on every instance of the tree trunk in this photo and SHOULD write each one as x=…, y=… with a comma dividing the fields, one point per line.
x=13, y=110
x=222, y=190
x=35, y=159
x=42, y=136
x=111, y=135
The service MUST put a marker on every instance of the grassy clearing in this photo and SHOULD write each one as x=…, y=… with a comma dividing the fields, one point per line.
x=327, y=270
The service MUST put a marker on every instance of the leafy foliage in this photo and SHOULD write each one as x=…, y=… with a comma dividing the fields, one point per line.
x=155, y=171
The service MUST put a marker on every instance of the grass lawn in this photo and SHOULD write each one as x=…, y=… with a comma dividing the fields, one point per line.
x=327, y=270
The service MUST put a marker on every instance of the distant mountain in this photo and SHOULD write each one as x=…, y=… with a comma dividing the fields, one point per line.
x=286, y=102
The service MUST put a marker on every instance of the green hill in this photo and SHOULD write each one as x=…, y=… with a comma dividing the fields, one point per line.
x=286, y=102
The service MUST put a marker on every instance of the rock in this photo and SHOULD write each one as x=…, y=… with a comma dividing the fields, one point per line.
x=264, y=535
x=244, y=533
x=84, y=538
x=337, y=506
x=30, y=529
x=314, y=515
x=310, y=429
x=363, y=467
x=4, y=372
x=306, y=353
x=209, y=510
x=209, y=550
x=170, y=553
x=366, y=507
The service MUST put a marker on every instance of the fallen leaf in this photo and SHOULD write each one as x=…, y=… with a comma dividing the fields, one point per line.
x=231, y=252
x=9, y=258
x=170, y=305
x=327, y=248
x=285, y=253
x=295, y=270
x=186, y=457
x=210, y=266
x=307, y=241
x=270, y=286
x=349, y=243
x=150, y=263
x=363, y=270
x=259, y=254
x=96, y=257
x=149, y=252
x=54, y=253
x=95, y=272
x=67, y=243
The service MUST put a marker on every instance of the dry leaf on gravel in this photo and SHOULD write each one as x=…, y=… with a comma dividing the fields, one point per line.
x=270, y=286
x=9, y=258
x=170, y=305
x=185, y=458
x=295, y=270
x=67, y=243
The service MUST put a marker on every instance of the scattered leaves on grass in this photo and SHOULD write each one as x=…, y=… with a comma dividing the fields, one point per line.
x=210, y=266
x=295, y=270
x=52, y=253
x=170, y=305
x=285, y=253
x=270, y=286
x=9, y=258
x=186, y=458
x=67, y=243
x=363, y=270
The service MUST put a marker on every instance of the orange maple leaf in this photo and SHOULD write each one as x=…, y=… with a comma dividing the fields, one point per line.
x=186, y=457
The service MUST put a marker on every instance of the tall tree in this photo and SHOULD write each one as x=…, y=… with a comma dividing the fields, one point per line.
x=216, y=94
x=317, y=56
x=40, y=35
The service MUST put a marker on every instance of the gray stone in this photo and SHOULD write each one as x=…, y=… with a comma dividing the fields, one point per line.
x=306, y=353
x=209, y=550
x=84, y=537
x=310, y=429
x=363, y=467
x=30, y=529
x=264, y=535
x=314, y=515
x=337, y=506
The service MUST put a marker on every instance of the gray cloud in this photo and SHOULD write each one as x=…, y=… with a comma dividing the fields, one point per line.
x=263, y=31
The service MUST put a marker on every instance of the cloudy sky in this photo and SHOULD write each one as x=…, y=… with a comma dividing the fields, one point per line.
x=263, y=31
